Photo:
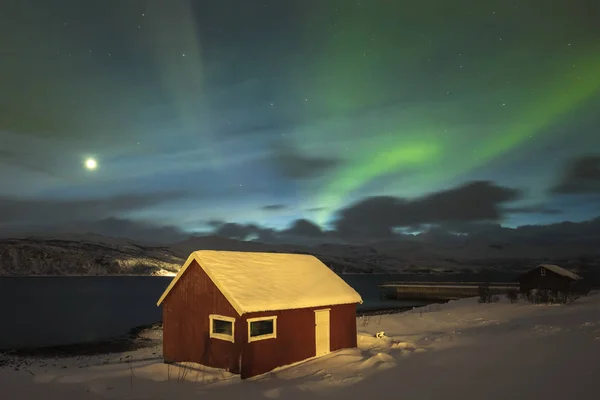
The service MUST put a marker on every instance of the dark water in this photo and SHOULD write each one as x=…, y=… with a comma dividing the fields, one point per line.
x=48, y=311
x=367, y=287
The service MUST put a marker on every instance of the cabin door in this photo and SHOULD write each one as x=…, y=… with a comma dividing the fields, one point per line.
x=322, y=332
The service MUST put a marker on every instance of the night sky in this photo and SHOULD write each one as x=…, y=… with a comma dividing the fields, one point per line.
x=249, y=118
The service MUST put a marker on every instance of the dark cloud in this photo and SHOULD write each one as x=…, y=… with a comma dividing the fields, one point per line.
x=42, y=212
x=294, y=165
x=214, y=223
x=571, y=235
x=274, y=207
x=576, y=233
x=316, y=209
x=136, y=230
x=582, y=176
x=298, y=232
x=377, y=216
x=303, y=228
x=139, y=231
x=470, y=227
x=467, y=208
x=304, y=232
x=233, y=230
x=535, y=209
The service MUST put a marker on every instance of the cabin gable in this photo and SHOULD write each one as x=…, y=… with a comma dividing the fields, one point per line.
x=187, y=311
x=542, y=278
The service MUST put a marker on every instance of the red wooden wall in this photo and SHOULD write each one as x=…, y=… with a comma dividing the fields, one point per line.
x=295, y=339
x=186, y=311
x=186, y=324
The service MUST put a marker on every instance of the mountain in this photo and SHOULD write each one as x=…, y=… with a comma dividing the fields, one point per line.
x=493, y=248
x=84, y=255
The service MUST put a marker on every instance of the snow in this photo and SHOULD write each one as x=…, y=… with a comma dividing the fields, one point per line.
x=253, y=281
x=560, y=271
x=460, y=350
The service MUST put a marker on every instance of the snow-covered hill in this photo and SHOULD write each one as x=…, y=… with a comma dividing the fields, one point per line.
x=84, y=256
x=423, y=254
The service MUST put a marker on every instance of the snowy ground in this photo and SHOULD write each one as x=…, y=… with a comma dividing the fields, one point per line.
x=460, y=350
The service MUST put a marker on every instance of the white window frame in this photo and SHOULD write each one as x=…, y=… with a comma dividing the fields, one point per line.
x=221, y=336
x=543, y=272
x=265, y=336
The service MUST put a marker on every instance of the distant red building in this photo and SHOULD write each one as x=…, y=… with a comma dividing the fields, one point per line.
x=249, y=312
x=548, y=277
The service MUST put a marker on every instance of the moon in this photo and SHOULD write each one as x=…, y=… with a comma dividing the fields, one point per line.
x=91, y=164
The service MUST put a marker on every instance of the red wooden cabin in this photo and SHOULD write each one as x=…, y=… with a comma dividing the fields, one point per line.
x=250, y=312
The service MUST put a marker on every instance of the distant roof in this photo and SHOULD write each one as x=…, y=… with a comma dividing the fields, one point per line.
x=560, y=271
x=270, y=281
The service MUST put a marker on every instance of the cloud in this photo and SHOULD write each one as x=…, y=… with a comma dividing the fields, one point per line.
x=303, y=228
x=470, y=207
x=298, y=232
x=470, y=227
x=582, y=176
x=41, y=212
x=139, y=231
x=237, y=231
x=534, y=209
x=316, y=209
x=562, y=233
x=292, y=164
x=214, y=223
x=274, y=207
x=377, y=216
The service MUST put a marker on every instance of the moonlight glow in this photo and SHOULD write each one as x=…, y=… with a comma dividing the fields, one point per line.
x=91, y=164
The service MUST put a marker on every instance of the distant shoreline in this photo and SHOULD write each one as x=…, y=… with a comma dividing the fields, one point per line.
x=157, y=276
x=371, y=273
x=86, y=276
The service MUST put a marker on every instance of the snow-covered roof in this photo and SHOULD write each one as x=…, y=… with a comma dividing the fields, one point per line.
x=561, y=271
x=270, y=281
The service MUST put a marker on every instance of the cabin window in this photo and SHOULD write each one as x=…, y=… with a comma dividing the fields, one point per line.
x=543, y=271
x=222, y=327
x=262, y=328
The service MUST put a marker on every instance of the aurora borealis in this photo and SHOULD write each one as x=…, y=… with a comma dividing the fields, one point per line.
x=296, y=115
